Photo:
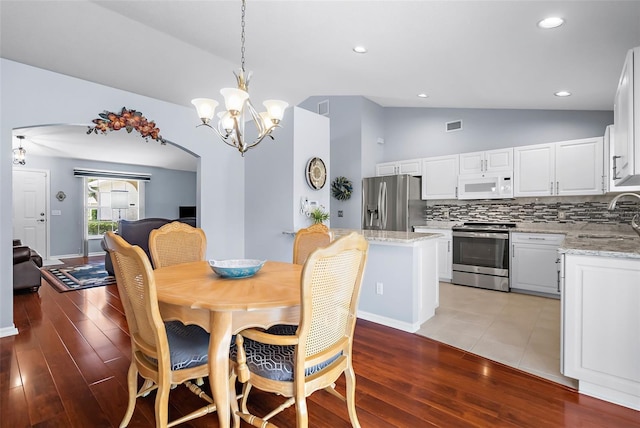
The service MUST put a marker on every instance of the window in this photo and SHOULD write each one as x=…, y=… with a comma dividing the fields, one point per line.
x=109, y=200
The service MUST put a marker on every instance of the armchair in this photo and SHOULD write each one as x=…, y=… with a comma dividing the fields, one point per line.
x=26, y=267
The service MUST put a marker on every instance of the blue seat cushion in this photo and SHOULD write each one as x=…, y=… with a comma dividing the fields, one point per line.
x=188, y=345
x=275, y=361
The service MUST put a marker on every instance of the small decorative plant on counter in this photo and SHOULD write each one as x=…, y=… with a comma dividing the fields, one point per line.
x=127, y=119
x=319, y=215
x=341, y=188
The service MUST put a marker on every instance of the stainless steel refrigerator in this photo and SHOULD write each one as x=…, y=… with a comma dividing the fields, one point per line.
x=392, y=202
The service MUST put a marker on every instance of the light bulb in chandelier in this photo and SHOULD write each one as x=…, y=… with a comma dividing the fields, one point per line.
x=234, y=100
x=226, y=122
x=206, y=108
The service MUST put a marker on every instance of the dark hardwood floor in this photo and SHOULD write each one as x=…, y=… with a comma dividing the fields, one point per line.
x=68, y=368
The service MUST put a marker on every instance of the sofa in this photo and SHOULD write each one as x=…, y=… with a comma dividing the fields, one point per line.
x=136, y=232
x=26, y=267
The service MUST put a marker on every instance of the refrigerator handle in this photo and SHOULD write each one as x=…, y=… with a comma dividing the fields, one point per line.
x=382, y=209
x=364, y=207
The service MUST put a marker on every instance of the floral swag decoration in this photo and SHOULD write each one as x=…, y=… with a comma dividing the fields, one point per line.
x=127, y=119
x=341, y=188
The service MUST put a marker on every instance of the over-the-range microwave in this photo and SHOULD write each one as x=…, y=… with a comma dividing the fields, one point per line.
x=485, y=186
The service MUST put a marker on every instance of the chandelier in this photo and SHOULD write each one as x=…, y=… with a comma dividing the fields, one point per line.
x=239, y=108
x=19, y=154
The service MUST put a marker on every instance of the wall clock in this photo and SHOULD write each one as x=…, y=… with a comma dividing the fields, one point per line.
x=316, y=173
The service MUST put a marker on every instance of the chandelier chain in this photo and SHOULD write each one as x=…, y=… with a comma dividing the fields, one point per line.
x=242, y=37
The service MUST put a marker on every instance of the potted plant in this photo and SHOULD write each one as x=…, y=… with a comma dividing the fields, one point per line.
x=318, y=215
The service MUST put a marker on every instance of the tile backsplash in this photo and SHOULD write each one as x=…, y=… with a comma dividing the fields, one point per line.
x=567, y=209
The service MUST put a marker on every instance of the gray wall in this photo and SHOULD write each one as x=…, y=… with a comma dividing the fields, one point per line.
x=420, y=132
x=275, y=182
x=167, y=190
x=268, y=195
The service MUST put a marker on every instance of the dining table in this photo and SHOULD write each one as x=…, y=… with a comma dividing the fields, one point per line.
x=194, y=294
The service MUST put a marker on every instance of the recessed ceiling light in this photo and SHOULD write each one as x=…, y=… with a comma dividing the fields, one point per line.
x=551, y=22
x=562, y=94
x=423, y=95
x=360, y=49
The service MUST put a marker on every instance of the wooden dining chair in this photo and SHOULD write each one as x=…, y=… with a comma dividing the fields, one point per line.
x=309, y=239
x=163, y=353
x=176, y=243
x=319, y=352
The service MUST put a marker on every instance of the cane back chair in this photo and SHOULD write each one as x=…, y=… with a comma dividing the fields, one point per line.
x=309, y=239
x=176, y=243
x=313, y=358
x=163, y=353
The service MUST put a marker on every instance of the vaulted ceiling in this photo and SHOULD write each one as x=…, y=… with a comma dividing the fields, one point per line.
x=462, y=54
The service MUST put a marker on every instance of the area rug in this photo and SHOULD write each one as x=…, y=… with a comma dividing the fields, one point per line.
x=77, y=277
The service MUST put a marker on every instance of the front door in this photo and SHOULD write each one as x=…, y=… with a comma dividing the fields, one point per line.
x=30, y=208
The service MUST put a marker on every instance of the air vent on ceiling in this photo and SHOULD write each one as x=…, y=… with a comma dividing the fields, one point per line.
x=323, y=108
x=454, y=126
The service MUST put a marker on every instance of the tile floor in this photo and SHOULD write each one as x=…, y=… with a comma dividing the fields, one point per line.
x=519, y=330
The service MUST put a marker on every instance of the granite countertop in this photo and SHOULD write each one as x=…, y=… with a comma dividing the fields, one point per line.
x=435, y=224
x=587, y=239
x=387, y=236
x=590, y=239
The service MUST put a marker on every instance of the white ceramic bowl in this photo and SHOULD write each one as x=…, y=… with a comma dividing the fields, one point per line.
x=236, y=268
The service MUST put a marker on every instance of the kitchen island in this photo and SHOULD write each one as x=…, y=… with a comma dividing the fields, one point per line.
x=400, y=285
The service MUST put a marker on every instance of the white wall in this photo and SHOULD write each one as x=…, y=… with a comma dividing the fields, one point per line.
x=32, y=96
x=310, y=139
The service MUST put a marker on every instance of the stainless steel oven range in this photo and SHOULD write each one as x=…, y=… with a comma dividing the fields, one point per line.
x=481, y=255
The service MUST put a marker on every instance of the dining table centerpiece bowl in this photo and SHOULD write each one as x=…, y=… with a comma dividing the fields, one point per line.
x=236, y=268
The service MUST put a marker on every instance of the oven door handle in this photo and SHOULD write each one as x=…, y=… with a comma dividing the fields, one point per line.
x=489, y=235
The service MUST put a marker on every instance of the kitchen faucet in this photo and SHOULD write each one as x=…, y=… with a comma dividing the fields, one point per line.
x=635, y=221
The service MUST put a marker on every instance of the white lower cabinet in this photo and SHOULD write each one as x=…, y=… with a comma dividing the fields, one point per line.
x=534, y=263
x=445, y=256
x=601, y=326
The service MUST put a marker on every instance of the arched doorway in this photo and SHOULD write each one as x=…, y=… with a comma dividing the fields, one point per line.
x=58, y=149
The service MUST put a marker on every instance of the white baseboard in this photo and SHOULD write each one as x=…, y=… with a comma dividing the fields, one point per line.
x=389, y=322
x=65, y=256
x=8, y=331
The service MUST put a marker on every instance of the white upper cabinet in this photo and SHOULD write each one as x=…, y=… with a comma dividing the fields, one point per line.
x=411, y=166
x=387, y=168
x=500, y=160
x=534, y=170
x=440, y=177
x=626, y=117
x=559, y=169
x=579, y=166
x=609, y=182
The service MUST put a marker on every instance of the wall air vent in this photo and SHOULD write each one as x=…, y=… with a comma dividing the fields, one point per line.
x=323, y=108
x=453, y=126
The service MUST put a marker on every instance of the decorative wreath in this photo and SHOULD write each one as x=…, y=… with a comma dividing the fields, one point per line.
x=341, y=188
x=127, y=119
